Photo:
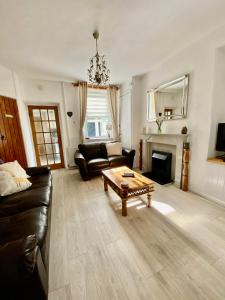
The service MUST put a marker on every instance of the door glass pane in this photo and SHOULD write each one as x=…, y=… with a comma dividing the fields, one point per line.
x=44, y=114
x=48, y=148
x=51, y=114
x=41, y=149
x=40, y=138
x=55, y=148
x=53, y=126
x=54, y=137
x=43, y=160
x=45, y=126
x=36, y=115
x=50, y=159
x=57, y=158
x=38, y=127
x=47, y=138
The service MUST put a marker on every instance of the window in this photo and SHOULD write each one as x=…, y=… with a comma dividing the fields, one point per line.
x=98, y=115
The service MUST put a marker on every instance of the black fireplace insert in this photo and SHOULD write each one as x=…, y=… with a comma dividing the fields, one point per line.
x=161, y=167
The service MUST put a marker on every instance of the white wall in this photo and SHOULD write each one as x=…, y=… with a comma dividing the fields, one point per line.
x=126, y=114
x=218, y=100
x=199, y=61
x=7, y=86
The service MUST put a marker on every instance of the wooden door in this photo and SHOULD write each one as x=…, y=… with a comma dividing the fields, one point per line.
x=11, y=139
x=46, y=136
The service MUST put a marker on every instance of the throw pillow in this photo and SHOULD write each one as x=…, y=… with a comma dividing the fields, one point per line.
x=10, y=185
x=15, y=169
x=114, y=148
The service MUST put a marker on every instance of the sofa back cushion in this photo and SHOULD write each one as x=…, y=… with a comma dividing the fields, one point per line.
x=114, y=148
x=11, y=185
x=91, y=151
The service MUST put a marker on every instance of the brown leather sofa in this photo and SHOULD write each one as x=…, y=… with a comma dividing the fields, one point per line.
x=92, y=159
x=24, y=239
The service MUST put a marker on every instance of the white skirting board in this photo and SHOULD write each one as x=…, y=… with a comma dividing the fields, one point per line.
x=208, y=198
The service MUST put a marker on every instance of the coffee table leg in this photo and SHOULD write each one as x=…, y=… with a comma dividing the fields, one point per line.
x=124, y=201
x=124, y=207
x=105, y=184
x=149, y=197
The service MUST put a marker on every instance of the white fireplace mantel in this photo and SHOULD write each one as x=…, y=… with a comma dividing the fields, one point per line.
x=172, y=139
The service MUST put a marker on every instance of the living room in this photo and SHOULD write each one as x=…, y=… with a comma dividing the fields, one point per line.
x=82, y=229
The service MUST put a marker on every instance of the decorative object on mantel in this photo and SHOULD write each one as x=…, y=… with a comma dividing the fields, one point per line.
x=185, y=165
x=159, y=122
x=108, y=129
x=98, y=72
x=69, y=114
x=184, y=130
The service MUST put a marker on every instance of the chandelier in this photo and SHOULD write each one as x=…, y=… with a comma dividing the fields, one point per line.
x=98, y=72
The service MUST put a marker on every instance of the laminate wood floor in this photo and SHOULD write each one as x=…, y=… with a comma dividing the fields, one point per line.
x=173, y=250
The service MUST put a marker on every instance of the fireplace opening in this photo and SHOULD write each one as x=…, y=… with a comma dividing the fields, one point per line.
x=161, y=167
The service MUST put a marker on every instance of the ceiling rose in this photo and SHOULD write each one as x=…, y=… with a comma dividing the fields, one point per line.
x=98, y=73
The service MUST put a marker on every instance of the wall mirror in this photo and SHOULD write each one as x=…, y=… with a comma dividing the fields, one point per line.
x=169, y=100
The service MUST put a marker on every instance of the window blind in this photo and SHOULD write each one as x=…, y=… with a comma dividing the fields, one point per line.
x=97, y=104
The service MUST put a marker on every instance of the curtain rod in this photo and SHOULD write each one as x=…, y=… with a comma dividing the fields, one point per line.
x=91, y=86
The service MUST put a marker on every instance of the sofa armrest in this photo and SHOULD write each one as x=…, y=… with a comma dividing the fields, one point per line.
x=34, y=171
x=129, y=153
x=17, y=260
x=82, y=164
x=79, y=158
x=19, y=277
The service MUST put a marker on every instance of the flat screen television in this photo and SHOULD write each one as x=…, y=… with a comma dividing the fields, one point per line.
x=220, y=142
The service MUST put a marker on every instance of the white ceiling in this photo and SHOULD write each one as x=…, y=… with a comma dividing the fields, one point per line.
x=53, y=38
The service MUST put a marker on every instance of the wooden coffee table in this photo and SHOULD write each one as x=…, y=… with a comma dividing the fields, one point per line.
x=137, y=185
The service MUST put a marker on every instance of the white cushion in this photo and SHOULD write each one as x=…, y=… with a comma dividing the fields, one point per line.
x=10, y=185
x=15, y=169
x=114, y=148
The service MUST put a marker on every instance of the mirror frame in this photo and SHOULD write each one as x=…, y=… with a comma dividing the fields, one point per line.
x=184, y=103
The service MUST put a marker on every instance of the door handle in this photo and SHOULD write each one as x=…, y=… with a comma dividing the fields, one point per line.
x=2, y=136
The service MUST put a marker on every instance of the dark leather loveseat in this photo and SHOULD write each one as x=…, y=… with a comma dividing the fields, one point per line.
x=24, y=239
x=92, y=159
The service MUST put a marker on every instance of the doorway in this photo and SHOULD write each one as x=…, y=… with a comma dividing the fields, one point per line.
x=46, y=136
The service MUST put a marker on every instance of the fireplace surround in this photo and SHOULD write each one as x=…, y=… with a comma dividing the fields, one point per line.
x=164, y=142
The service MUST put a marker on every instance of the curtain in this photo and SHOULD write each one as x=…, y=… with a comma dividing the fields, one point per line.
x=112, y=92
x=82, y=92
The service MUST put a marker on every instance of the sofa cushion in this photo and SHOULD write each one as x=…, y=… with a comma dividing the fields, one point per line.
x=30, y=222
x=22, y=201
x=117, y=160
x=97, y=164
x=114, y=148
x=14, y=168
x=10, y=185
x=90, y=151
x=103, y=150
